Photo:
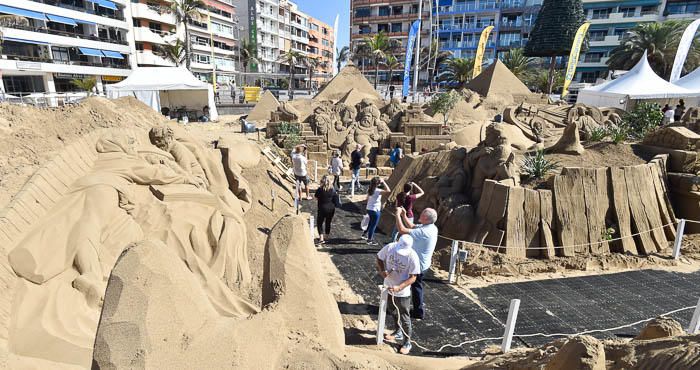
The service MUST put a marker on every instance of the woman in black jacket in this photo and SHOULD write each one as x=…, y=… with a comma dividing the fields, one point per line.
x=328, y=199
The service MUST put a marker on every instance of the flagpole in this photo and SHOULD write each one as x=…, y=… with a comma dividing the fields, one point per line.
x=417, y=62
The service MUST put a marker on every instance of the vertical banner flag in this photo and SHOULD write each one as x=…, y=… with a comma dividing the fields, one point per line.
x=683, y=49
x=409, y=56
x=573, y=57
x=253, y=30
x=478, y=60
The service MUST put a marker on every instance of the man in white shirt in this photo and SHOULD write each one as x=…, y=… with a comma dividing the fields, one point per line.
x=299, y=165
x=398, y=264
x=668, y=116
x=425, y=236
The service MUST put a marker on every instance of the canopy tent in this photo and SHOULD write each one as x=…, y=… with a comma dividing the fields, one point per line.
x=691, y=81
x=640, y=83
x=171, y=87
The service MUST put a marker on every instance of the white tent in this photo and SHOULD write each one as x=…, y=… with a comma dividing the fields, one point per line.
x=640, y=83
x=172, y=87
x=691, y=81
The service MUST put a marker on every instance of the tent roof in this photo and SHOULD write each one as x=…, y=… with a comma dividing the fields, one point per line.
x=349, y=78
x=497, y=79
x=691, y=81
x=160, y=78
x=640, y=82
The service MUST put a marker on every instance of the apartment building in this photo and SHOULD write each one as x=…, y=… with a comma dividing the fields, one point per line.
x=153, y=25
x=610, y=20
x=321, y=47
x=47, y=43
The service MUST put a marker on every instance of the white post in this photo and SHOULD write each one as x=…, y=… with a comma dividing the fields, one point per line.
x=510, y=325
x=453, y=261
x=382, y=315
x=315, y=171
x=416, y=71
x=272, y=194
x=695, y=322
x=352, y=185
x=311, y=226
x=679, y=239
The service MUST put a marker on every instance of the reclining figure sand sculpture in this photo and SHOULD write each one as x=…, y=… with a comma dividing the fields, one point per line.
x=126, y=197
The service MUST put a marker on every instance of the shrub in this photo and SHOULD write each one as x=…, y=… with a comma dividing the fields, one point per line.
x=287, y=128
x=598, y=134
x=537, y=166
x=444, y=103
x=644, y=118
x=618, y=134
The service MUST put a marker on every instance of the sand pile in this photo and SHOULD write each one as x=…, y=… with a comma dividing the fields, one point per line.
x=30, y=136
x=266, y=105
x=349, y=78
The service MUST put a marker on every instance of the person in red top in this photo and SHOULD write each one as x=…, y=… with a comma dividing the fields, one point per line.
x=406, y=199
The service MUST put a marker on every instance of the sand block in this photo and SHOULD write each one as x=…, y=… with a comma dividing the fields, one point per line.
x=570, y=214
x=640, y=223
x=532, y=219
x=183, y=193
x=546, y=217
x=622, y=213
x=516, y=242
x=664, y=203
x=651, y=206
x=595, y=193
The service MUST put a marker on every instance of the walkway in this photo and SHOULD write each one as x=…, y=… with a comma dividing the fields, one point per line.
x=570, y=305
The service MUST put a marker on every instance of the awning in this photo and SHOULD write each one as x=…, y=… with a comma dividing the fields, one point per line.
x=91, y=52
x=25, y=41
x=112, y=54
x=59, y=19
x=22, y=12
x=84, y=22
x=105, y=4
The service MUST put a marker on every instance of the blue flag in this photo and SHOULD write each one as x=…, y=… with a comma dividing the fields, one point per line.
x=415, y=28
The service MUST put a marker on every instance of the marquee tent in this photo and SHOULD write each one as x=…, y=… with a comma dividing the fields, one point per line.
x=691, y=81
x=172, y=87
x=640, y=83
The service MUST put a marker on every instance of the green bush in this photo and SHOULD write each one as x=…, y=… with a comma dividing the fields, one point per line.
x=537, y=166
x=618, y=134
x=598, y=134
x=644, y=118
x=288, y=128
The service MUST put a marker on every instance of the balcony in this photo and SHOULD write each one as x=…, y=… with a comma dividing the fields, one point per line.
x=99, y=12
x=73, y=35
x=594, y=62
x=152, y=12
x=147, y=58
x=467, y=27
x=612, y=40
x=468, y=8
x=145, y=34
x=105, y=63
x=623, y=18
x=393, y=17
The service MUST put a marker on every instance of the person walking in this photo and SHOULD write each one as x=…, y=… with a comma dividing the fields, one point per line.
x=679, y=111
x=399, y=265
x=406, y=199
x=377, y=188
x=328, y=200
x=668, y=116
x=299, y=162
x=355, y=165
x=425, y=237
x=336, y=169
x=232, y=88
x=396, y=155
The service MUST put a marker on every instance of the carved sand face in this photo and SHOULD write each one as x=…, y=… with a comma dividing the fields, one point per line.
x=162, y=142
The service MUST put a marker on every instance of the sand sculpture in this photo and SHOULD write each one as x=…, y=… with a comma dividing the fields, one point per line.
x=265, y=106
x=77, y=214
x=497, y=79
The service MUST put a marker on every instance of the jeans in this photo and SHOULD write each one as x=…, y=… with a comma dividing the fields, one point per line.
x=373, y=222
x=404, y=305
x=356, y=178
x=324, y=215
x=417, y=297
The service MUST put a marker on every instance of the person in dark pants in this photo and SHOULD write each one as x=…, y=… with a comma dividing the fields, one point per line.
x=328, y=199
x=425, y=237
x=355, y=165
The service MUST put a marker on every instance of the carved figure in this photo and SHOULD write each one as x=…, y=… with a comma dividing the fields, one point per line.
x=493, y=159
x=163, y=137
x=393, y=113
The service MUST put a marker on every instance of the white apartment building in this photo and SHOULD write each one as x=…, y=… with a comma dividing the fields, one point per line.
x=47, y=43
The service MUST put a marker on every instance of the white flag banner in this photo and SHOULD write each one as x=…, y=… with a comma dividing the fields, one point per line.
x=683, y=49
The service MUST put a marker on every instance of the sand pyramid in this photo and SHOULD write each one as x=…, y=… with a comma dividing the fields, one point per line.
x=349, y=78
x=498, y=79
x=266, y=105
x=354, y=97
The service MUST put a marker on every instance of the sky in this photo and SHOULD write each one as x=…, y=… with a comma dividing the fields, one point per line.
x=326, y=11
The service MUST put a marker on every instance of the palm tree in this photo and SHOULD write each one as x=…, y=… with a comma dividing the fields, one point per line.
x=248, y=55
x=378, y=45
x=659, y=40
x=518, y=62
x=291, y=58
x=343, y=56
x=436, y=57
x=360, y=53
x=186, y=11
x=458, y=70
x=539, y=80
x=173, y=52
x=85, y=84
x=311, y=65
x=392, y=63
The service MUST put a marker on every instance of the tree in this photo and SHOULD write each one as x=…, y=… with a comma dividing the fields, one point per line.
x=378, y=47
x=343, y=56
x=392, y=63
x=85, y=84
x=436, y=57
x=518, y=63
x=443, y=103
x=185, y=12
x=540, y=80
x=173, y=52
x=554, y=31
x=291, y=58
x=360, y=53
x=248, y=55
x=458, y=71
x=311, y=65
x=660, y=41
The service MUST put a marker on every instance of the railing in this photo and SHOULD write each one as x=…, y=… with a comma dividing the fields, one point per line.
x=81, y=9
x=43, y=99
x=102, y=64
x=467, y=7
x=76, y=35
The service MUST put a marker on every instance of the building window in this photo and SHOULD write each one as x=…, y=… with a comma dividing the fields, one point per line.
x=649, y=9
x=362, y=12
x=397, y=10
x=396, y=27
x=685, y=7
x=384, y=11
x=60, y=54
x=365, y=29
x=589, y=77
x=383, y=27
x=139, y=46
x=627, y=12
x=593, y=57
x=620, y=32
x=598, y=35
x=23, y=84
x=601, y=13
